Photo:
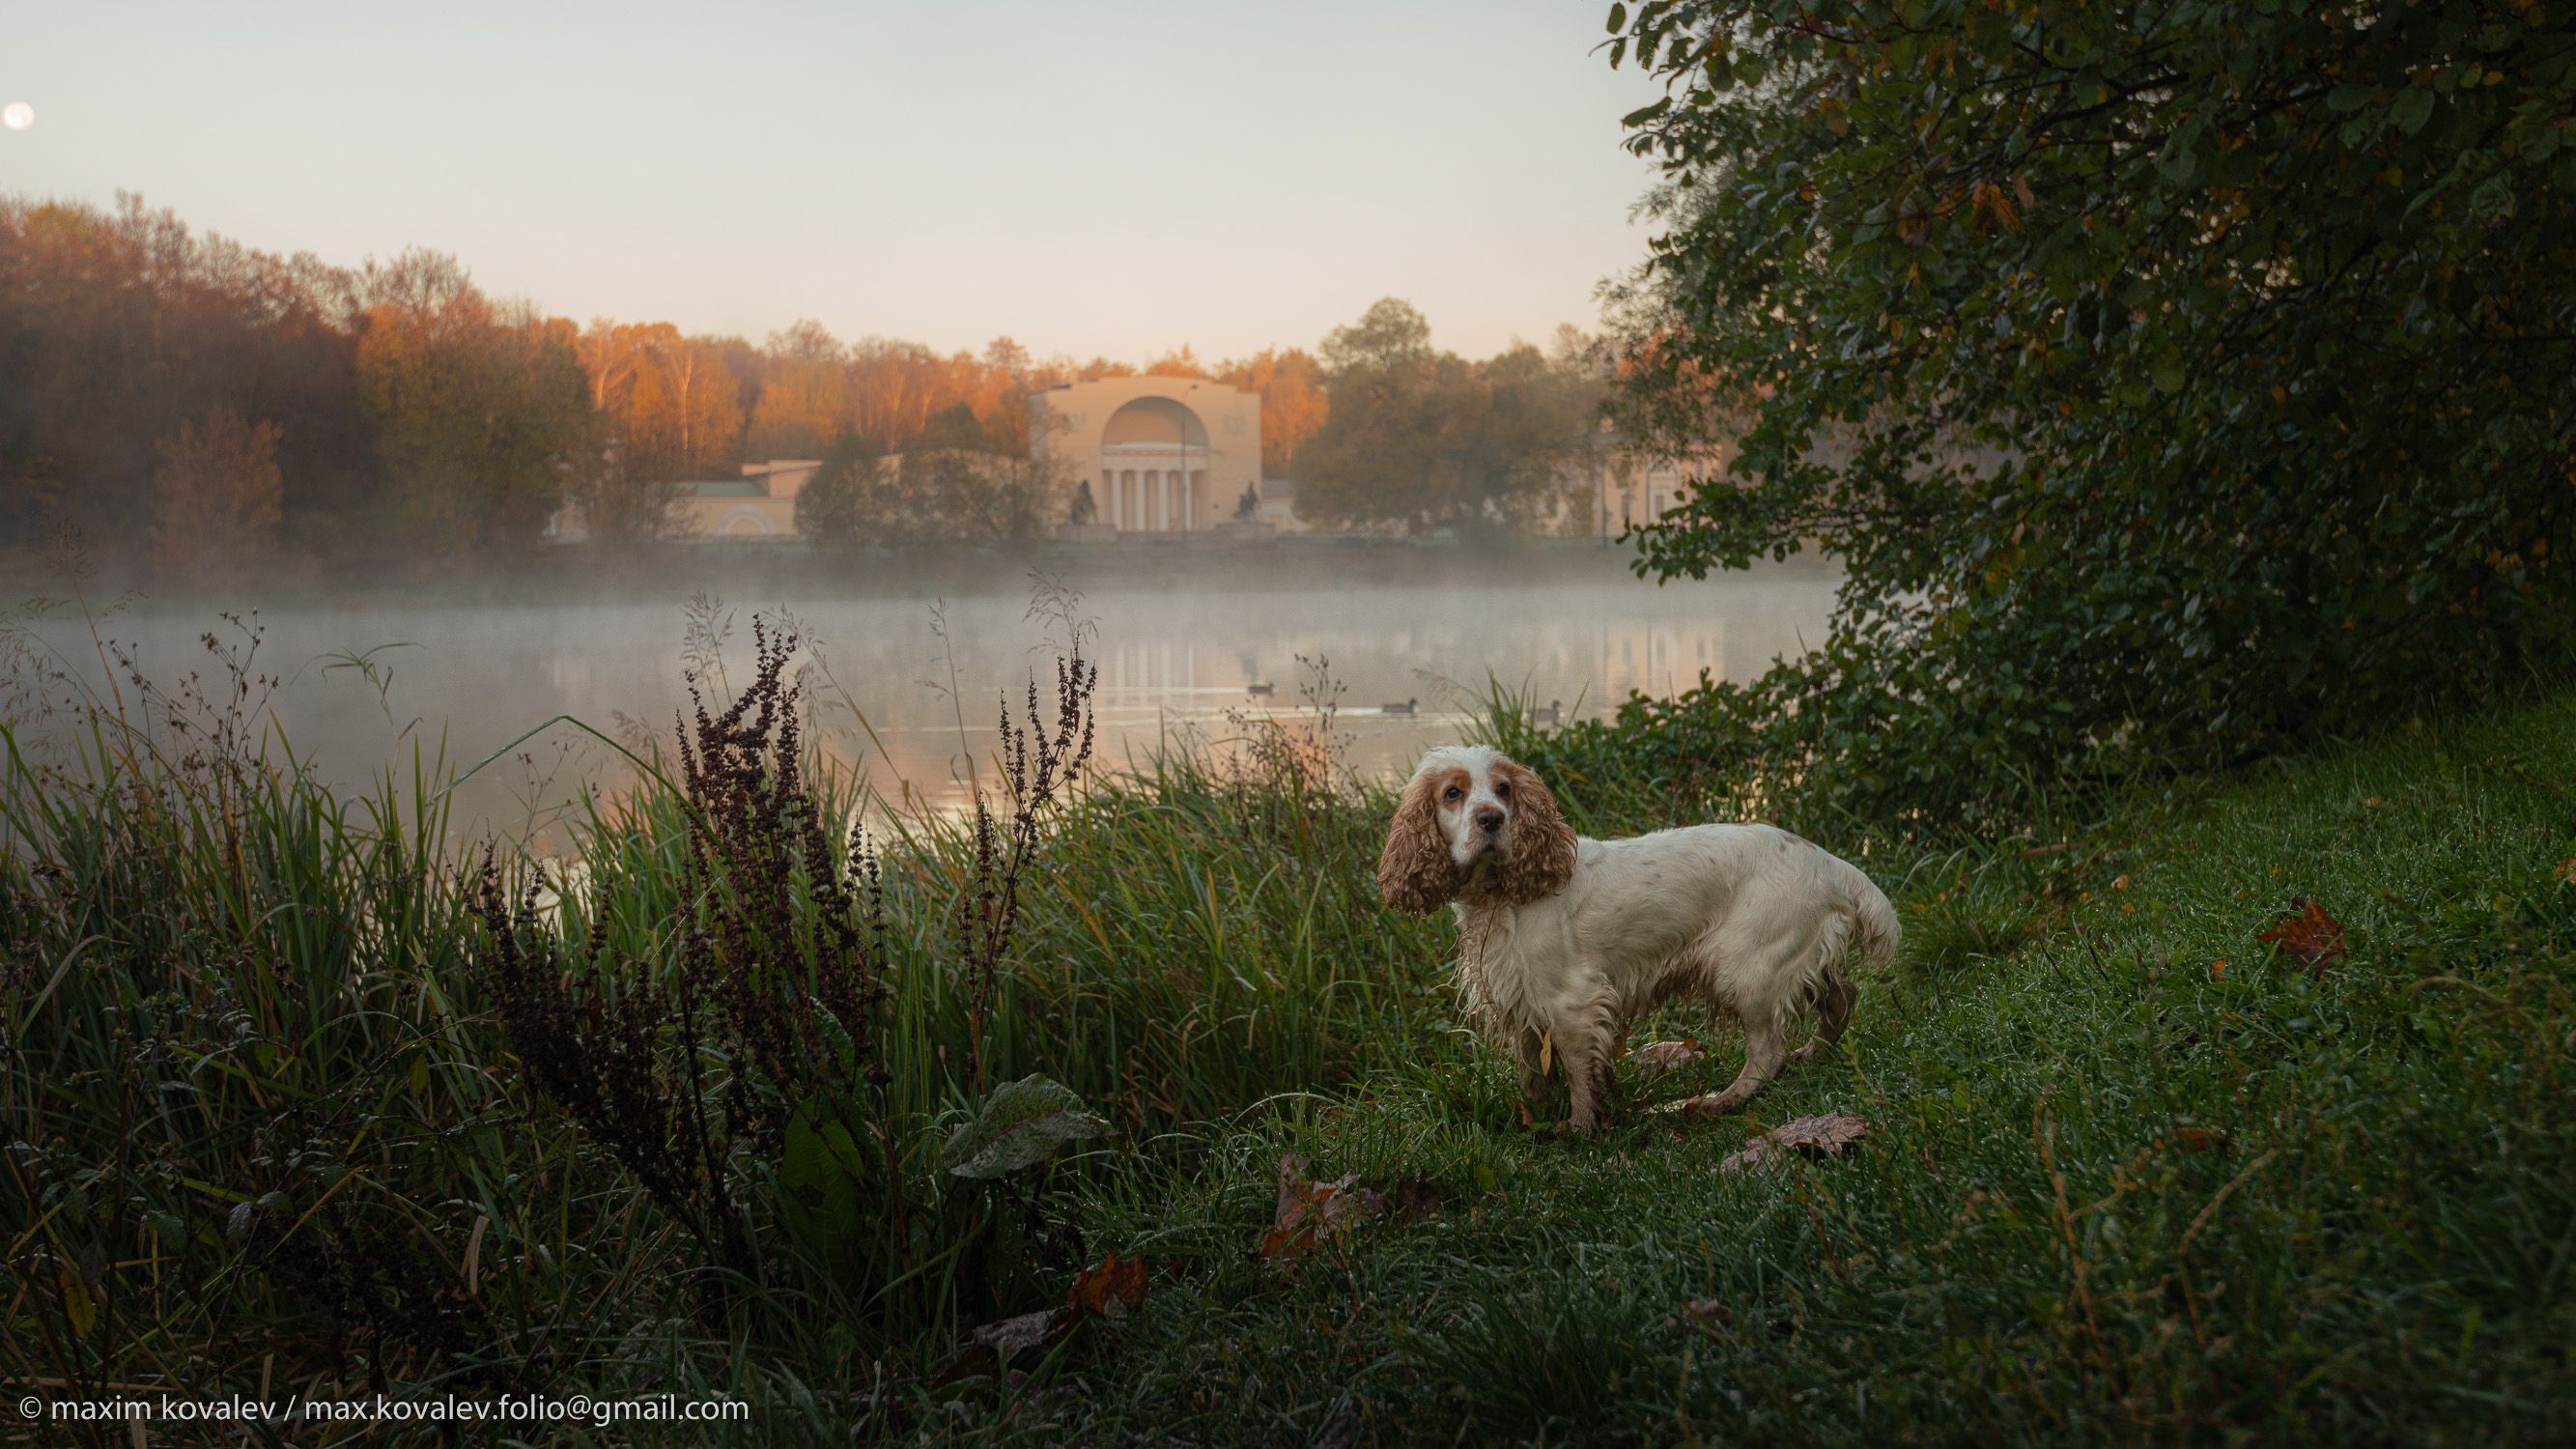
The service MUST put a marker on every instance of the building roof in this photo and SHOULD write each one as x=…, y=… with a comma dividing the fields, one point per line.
x=725, y=488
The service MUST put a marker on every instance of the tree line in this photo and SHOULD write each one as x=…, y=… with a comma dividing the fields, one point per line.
x=216, y=405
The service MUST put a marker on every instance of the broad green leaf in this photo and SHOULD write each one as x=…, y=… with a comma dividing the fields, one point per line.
x=820, y=1178
x=2413, y=109
x=1021, y=1124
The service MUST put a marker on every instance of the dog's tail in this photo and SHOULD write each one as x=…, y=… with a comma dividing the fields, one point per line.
x=1874, y=929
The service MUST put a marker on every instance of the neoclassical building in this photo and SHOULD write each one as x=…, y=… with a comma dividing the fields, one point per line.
x=1162, y=454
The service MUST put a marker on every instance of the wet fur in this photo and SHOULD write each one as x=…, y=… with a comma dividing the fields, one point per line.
x=1567, y=941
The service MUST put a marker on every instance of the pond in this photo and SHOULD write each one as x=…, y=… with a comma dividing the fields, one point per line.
x=914, y=681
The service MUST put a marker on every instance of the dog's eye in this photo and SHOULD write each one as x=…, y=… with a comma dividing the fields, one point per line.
x=1502, y=792
x=1452, y=795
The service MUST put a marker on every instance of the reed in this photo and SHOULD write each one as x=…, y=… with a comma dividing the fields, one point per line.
x=299, y=1094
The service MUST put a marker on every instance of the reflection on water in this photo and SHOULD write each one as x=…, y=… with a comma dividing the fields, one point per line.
x=912, y=689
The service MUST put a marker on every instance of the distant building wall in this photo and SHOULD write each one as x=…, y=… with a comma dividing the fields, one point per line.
x=1279, y=505
x=761, y=504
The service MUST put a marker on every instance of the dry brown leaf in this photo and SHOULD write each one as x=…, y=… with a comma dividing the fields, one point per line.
x=2195, y=1139
x=1665, y=1056
x=1310, y=1211
x=1027, y=1334
x=1816, y=1136
x=2567, y=870
x=2306, y=933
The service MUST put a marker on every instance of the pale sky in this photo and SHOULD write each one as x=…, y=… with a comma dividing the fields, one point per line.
x=1085, y=176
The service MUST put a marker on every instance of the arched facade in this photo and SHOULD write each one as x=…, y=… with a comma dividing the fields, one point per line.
x=1163, y=455
x=746, y=522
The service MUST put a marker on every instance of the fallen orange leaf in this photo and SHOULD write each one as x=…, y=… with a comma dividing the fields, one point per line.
x=2307, y=933
x=1112, y=1290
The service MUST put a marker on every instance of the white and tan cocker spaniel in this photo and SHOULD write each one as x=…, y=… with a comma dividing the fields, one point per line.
x=1564, y=941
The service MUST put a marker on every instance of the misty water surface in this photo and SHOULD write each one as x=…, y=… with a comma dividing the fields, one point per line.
x=465, y=680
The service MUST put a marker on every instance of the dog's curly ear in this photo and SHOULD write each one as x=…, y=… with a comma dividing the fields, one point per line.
x=1414, y=872
x=1542, y=843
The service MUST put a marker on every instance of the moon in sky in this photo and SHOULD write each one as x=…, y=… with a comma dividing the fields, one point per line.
x=17, y=115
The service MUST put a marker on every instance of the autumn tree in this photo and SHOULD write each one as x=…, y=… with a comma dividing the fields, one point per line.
x=1180, y=362
x=123, y=326
x=480, y=413
x=216, y=498
x=1293, y=406
x=803, y=405
x=683, y=415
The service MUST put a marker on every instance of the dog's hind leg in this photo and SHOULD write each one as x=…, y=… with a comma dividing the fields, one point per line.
x=1765, y=1050
x=1835, y=995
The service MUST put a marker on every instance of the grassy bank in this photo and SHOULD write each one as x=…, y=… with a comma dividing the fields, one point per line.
x=2130, y=1175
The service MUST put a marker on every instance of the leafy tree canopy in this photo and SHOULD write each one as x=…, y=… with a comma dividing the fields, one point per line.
x=2172, y=381
x=843, y=505
x=1413, y=438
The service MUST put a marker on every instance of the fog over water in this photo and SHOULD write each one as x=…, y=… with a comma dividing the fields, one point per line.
x=470, y=678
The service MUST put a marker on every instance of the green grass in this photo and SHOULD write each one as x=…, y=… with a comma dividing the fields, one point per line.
x=2372, y=1243
x=251, y=1076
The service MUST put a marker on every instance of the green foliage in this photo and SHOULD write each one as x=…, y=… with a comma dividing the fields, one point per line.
x=2173, y=383
x=860, y=498
x=1416, y=439
x=823, y=1187
x=958, y=496
x=953, y=428
x=840, y=506
x=1020, y=1125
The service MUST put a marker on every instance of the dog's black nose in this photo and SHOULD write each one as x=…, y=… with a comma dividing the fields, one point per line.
x=1489, y=820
